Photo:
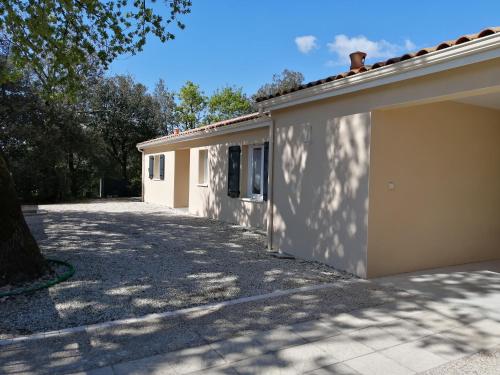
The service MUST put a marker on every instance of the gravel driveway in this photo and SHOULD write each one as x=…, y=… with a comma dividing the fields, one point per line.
x=134, y=258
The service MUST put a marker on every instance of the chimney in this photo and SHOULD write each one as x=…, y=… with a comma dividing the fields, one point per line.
x=176, y=131
x=357, y=59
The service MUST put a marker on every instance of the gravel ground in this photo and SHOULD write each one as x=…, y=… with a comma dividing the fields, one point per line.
x=486, y=362
x=133, y=258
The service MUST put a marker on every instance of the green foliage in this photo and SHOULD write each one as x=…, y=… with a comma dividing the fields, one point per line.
x=123, y=114
x=227, y=103
x=285, y=80
x=191, y=107
x=60, y=41
x=48, y=150
x=59, y=150
x=167, y=106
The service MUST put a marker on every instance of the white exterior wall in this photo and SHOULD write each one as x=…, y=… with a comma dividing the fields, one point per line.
x=155, y=190
x=212, y=200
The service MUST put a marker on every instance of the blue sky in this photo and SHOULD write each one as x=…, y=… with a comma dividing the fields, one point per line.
x=243, y=43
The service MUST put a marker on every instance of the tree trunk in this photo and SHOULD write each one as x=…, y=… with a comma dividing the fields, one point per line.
x=20, y=257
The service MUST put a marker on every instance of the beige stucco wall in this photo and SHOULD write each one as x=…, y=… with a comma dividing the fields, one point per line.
x=321, y=187
x=444, y=162
x=155, y=190
x=212, y=200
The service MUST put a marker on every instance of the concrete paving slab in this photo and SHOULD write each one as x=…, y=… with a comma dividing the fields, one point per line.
x=145, y=366
x=488, y=327
x=239, y=348
x=377, y=364
x=222, y=370
x=471, y=338
x=98, y=371
x=306, y=357
x=400, y=308
x=278, y=338
x=179, y=362
x=385, y=313
x=414, y=357
x=194, y=359
x=347, y=322
x=466, y=292
x=405, y=330
x=433, y=320
x=375, y=338
x=268, y=364
x=444, y=347
x=343, y=347
x=315, y=330
x=336, y=369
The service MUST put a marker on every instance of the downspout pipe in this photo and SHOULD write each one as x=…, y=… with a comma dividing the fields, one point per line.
x=142, y=174
x=270, y=195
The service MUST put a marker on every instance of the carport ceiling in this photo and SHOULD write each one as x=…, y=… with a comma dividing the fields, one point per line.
x=491, y=100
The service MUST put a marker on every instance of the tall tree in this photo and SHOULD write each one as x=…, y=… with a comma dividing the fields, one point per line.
x=124, y=113
x=48, y=145
x=56, y=40
x=166, y=102
x=191, y=107
x=227, y=103
x=285, y=80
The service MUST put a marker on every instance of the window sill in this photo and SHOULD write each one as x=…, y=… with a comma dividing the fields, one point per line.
x=253, y=200
x=202, y=185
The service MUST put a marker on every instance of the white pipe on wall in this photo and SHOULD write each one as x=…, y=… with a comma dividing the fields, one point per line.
x=270, y=188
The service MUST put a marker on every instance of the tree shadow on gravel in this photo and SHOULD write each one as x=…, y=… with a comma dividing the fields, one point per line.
x=135, y=263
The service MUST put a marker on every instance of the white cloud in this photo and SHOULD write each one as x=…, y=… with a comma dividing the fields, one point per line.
x=409, y=45
x=306, y=43
x=343, y=45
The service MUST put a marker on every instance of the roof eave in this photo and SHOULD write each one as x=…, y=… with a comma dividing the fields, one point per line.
x=210, y=132
x=475, y=51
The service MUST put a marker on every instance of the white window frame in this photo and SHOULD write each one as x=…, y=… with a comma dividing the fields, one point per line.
x=156, y=167
x=250, y=174
x=205, y=167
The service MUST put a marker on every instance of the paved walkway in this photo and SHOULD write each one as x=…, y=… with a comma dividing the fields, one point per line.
x=444, y=322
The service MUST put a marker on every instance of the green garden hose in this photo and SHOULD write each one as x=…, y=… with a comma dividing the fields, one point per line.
x=65, y=276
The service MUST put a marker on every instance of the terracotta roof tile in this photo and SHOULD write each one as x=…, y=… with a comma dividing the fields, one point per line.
x=394, y=60
x=200, y=129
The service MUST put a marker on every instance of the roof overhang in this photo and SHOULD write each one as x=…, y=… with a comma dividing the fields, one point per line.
x=260, y=122
x=471, y=52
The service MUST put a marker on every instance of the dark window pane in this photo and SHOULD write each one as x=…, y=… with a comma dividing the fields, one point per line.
x=256, y=170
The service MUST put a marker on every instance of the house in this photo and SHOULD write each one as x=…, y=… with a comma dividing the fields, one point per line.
x=215, y=171
x=384, y=169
